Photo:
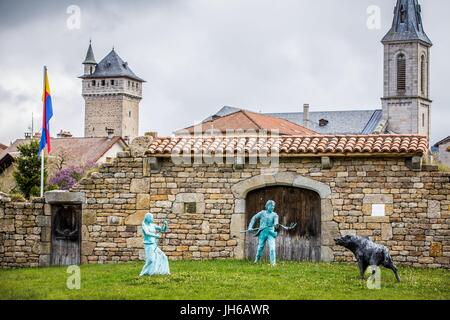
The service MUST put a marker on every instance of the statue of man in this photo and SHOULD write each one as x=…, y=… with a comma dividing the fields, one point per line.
x=268, y=221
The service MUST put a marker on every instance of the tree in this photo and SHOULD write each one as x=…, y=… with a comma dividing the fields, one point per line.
x=68, y=177
x=28, y=169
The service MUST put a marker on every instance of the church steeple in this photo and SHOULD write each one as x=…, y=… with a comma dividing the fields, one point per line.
x=407, y=24
x=406, y=100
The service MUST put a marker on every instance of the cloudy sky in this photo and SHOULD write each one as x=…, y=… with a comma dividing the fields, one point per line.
x=199, y=55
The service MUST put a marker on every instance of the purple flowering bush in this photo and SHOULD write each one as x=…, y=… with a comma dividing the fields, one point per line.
x=66, y=178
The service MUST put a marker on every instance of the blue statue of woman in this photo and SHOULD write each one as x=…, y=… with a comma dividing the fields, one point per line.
x=268, y=220
x=156, y=261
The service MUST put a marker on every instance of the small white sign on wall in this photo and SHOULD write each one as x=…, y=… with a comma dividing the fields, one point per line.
x=378, y=210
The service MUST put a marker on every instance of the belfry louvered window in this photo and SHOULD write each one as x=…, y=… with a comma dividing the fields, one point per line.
x=401, y=72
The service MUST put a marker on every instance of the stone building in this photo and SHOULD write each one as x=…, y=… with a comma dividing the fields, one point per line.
x=67, y=151
x=373, y=185
x=442, y=151
x=112, y=93
x=406, y=103
x=244, y=122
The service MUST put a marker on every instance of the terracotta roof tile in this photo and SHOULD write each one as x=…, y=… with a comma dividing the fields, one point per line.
x=291, y=145
x=243, y=120
x=77, y=151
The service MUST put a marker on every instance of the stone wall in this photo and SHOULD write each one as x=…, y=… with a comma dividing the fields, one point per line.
x=24, y=233
x=206, y=214
x=205, y=205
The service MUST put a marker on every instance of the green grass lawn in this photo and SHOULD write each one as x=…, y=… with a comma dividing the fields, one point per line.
x=225, y=279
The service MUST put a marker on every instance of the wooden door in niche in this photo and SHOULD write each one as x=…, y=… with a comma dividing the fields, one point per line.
x=292, y=205
x=66, y=235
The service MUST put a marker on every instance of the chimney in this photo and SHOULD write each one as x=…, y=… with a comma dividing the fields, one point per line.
x=151, y=134
x=27, y=135
x=306, y=115
x=64, y=134
x=110, y=133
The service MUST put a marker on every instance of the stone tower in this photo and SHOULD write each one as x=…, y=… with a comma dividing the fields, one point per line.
x=112, y=93
x=406, y=101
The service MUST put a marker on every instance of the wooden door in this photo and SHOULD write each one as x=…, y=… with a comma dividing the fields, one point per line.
x=292, y=205
x=66, y=235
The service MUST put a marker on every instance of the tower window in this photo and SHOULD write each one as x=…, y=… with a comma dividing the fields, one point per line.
x=401, y=72
x=103, y=83
x=423, y=120
x=422, y=74
x=129, y=84
x=112, y=82
x=93, y=83
x=129, y=114
x=90, y=68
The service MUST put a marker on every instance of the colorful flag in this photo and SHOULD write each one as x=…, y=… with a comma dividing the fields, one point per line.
x=46, y=116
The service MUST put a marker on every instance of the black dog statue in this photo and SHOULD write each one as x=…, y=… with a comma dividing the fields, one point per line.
x=368, y=253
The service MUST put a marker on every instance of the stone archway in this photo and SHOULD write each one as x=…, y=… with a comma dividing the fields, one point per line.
x=329, y=228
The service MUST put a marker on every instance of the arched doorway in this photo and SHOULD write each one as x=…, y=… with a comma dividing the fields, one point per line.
x=293, y=204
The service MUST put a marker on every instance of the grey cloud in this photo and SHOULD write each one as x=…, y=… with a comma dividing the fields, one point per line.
x=198, y=55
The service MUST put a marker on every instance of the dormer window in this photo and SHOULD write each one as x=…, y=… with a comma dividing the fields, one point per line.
x=402, y=14
x=323, y=122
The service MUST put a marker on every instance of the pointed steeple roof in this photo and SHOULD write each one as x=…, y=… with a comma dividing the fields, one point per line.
x=407, y=25
x=90, y=59
x=113, y=66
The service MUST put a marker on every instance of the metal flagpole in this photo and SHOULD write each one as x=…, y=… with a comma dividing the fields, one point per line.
x=43, y=150
x=42, y=172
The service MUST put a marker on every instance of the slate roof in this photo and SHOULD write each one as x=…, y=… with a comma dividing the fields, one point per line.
x=90, y=59
x=443, y=141
x=412, y=28
x=113, y=66
x=339, y=122
x=77, y=151
x=243, y=120
x=293, y=146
